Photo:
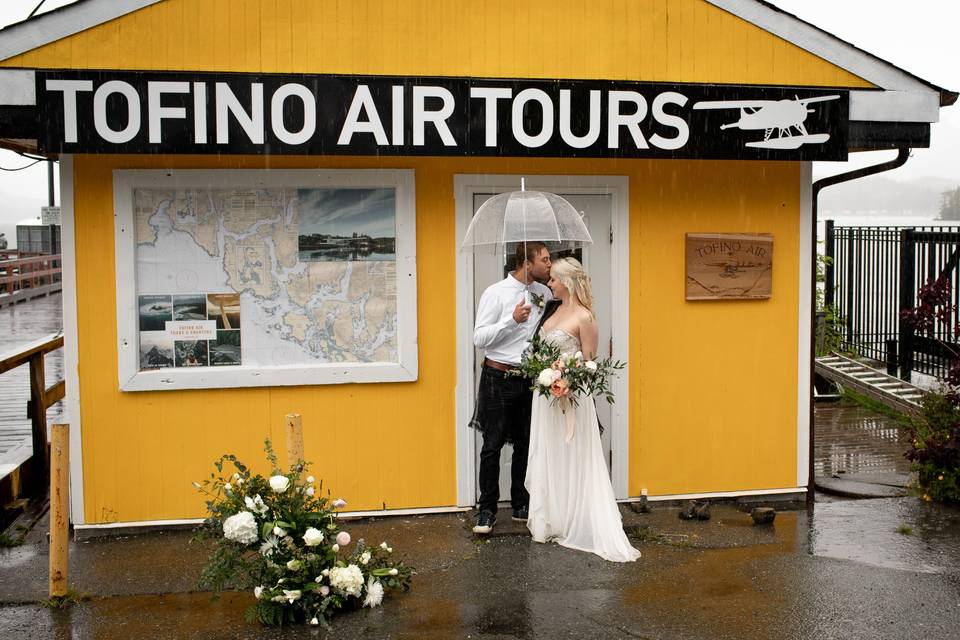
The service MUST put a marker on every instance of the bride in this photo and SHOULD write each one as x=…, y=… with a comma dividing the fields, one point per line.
x=571, y=498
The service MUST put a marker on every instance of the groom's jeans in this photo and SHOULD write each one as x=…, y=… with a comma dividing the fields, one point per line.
x=503, y=410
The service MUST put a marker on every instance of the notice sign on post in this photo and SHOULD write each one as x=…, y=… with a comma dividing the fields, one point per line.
x=725, y=266
x=49, y=215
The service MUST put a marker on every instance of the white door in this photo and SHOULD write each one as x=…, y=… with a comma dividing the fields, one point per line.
x=598, y=212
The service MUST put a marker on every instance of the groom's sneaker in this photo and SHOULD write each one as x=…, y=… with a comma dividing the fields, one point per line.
x=485, y=522
x=520, y=515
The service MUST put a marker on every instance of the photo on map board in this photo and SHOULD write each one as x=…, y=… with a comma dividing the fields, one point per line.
x=225, y=309
x=225, y=350
x=347, y=225
x=191, y=353
x=154, y=312
x=156, y=350
x=190, y=307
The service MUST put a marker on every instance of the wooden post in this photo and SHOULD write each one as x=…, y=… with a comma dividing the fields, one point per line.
x=294, y=432
x=39, y=463
x=59, y=507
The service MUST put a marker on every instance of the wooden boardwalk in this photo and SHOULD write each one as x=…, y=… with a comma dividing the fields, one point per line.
x=19, y=325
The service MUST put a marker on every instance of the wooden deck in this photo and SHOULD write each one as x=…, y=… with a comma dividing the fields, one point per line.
x=19, y=325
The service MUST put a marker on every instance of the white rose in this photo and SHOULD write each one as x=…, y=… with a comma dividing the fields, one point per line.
x=310, y=479
x=365, y=557
x=590, y=364
x=293, y=594
x=309, y=491
x=227, y=488
x=335, y=548
x=578, y=355
x=279, y=484
x=324, y=591
x=393, y=572
x=325, y=573
x=257, y=592
x=293, y=565
x=236, y=476
x=545, y=379
x=314, y=621
x=339, y=503
x=312, y=537
x=383, y=545
x=241, y=527
x=277, y=531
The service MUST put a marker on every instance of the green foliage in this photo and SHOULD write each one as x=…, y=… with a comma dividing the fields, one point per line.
x=905, y=530
x=278, y=536
x=935, y=447
x=830, y=338
x=72, y=597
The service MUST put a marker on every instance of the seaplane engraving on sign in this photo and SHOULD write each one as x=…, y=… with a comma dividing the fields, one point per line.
x=785, y=117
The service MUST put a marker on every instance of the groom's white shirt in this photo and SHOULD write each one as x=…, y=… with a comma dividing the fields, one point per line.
x=495, y=331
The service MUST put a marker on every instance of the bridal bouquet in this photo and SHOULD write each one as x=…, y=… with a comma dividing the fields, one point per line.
x=279, y=537
x=565, y=377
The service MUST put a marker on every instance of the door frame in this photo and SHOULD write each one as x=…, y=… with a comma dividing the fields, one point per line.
x=465, y=187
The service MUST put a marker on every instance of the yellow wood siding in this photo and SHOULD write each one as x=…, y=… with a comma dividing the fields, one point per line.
x=713, y=386
x=652, y=40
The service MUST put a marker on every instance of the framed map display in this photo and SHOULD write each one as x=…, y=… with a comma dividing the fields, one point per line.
x=237, y=278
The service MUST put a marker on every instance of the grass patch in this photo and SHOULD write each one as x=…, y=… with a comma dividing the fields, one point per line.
x=905, y=530
x=8, y=541
x=873, y=405
x=71, y=598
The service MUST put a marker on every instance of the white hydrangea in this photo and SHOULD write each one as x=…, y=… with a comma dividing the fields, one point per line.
x=241, y=527
x=347, y=580
x=374, y=593
x=591, y=365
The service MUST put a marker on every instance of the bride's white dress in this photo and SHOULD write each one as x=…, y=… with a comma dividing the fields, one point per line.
x=571, y=498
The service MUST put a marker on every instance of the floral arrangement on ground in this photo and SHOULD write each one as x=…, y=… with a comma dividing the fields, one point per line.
x=278, y=536
x=565, y=377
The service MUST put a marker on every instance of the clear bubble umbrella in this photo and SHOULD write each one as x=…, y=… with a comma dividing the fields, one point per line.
x=523, y=216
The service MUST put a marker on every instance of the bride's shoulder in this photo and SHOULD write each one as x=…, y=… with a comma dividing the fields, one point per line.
x=584, y=316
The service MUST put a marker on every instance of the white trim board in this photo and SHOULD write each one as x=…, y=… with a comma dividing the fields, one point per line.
x=465, y=185
x=130, y=378
x=71, y=337
x=925, y=101
x=49, y=27
x=804, y=329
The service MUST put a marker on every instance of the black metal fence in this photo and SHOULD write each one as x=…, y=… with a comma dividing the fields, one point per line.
x=875, y=273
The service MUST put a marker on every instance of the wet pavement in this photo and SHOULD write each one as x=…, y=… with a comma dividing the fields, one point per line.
x=878, y=568
x=837, y=570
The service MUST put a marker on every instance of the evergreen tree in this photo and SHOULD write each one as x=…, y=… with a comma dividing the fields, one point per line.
x=950, y=204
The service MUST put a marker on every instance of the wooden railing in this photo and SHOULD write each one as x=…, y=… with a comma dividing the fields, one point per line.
x=24, y=273
x=41, y=399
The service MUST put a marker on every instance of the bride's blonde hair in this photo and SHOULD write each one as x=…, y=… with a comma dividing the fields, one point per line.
x=570, y=272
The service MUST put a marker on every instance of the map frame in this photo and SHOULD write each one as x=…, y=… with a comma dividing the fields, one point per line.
x=130, y=378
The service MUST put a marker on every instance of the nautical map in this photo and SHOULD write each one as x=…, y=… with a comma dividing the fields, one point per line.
x=294, y=311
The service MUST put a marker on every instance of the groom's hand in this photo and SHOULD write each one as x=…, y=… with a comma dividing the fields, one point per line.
x=521, y=312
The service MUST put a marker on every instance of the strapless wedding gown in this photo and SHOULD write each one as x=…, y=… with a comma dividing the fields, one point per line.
x=571, y=498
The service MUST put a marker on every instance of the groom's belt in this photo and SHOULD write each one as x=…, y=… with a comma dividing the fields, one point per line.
x=499, y=366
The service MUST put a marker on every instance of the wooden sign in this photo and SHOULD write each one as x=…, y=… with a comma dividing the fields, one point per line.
x=729, y=266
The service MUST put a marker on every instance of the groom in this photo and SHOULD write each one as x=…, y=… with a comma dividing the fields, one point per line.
x=506, y=320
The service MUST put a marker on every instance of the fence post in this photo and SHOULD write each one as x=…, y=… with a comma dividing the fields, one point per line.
x=891, y=357
x=848, y=310
x=59, y=508
x=830, y=251
x=40, y=462
x=907, y=300
x=294, y=431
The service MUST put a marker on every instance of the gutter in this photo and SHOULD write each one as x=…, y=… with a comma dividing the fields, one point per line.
x=903, y=154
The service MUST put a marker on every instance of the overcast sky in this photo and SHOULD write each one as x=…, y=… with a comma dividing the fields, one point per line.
x=920, y=36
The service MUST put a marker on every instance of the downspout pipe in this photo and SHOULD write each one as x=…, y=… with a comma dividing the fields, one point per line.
x=903, y=154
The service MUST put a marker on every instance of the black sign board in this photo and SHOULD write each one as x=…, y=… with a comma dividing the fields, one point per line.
x=225, y=113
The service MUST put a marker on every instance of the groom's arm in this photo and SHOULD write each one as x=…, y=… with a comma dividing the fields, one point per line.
x=490, y=329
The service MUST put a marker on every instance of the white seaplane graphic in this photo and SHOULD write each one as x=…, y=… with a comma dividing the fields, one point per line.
x=786, y=117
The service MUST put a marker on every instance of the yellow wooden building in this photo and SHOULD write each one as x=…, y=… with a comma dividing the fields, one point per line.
x=153, y=104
